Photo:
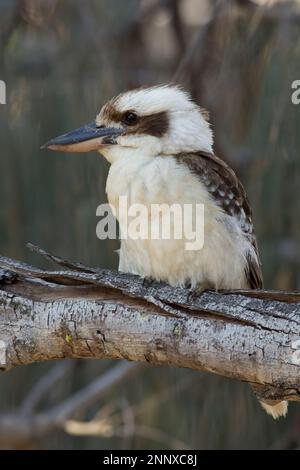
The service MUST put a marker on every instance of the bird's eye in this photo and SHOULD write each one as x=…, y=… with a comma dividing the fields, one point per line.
x=130, y=118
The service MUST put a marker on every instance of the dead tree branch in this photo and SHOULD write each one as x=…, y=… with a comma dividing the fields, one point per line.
x=84, y=312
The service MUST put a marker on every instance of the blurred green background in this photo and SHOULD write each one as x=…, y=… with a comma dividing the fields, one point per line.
x=61, y=60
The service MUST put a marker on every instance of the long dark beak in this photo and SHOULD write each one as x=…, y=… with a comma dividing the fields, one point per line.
x=84, y=139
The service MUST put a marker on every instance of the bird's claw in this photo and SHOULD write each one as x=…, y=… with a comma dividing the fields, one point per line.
x=7, y=277
x=195, y=292
x=147, y=281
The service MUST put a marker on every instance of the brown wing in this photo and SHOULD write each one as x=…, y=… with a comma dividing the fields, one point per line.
x=223, y=184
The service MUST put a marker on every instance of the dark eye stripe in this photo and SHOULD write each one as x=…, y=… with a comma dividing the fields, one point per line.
x=156, y=124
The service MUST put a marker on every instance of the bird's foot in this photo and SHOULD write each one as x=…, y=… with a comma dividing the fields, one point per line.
x=147, y=281
x=198, y=290
x=7, y=277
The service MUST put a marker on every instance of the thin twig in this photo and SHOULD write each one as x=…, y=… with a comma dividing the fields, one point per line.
x=44, y=385
x=90, y=394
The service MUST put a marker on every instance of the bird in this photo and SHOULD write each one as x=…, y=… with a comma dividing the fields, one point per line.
x=159, y=144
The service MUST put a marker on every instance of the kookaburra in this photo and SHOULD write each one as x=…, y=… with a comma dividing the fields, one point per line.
x=160, y=148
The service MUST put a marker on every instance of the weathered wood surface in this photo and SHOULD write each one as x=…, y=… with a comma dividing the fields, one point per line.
x=84, y=312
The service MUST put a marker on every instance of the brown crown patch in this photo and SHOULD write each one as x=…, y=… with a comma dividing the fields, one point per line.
x=110, y=113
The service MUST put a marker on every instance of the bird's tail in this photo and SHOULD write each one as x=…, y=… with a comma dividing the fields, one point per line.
x=276, y=410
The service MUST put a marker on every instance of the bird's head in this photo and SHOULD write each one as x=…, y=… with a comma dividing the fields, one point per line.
x=160, y=120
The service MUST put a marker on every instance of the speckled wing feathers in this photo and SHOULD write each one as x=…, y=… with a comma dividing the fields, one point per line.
x=226, y=189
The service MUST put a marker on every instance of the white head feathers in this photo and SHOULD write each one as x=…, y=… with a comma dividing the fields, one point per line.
x=184, y=125
x=155, y=99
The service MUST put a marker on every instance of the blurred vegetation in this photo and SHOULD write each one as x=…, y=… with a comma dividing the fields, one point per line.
x=61, y=61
